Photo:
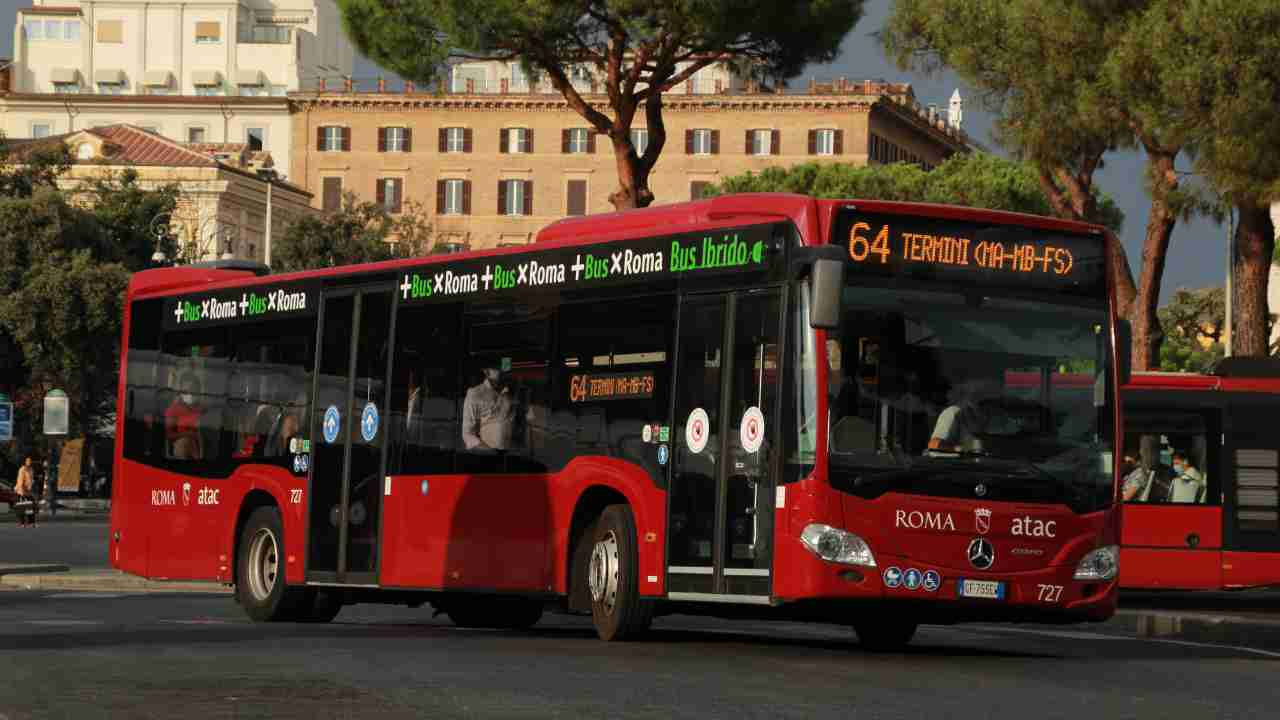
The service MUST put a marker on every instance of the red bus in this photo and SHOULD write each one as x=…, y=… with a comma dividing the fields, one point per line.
x=754, y=405
x=1201, y=478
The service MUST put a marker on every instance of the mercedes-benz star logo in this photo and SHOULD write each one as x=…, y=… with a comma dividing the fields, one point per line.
x=982, y=554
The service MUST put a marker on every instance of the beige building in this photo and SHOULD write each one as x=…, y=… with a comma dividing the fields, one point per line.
x=501, y=157
x=229, y=200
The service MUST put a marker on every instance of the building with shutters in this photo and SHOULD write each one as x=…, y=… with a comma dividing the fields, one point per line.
x=499, y=163
x=191, y=70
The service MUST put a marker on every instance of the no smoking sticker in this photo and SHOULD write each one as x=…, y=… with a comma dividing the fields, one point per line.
x=696, y=430
x=752, y=429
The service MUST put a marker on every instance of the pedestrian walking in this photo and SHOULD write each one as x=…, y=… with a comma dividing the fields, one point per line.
x=25, y=488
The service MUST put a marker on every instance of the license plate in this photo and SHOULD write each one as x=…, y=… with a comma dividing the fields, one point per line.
x=988, y=589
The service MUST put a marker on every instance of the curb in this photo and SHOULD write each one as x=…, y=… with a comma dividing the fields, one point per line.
x=33, y=569
x=108, y=581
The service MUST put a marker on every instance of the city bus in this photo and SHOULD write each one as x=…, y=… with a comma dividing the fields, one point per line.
x=758, y=405
x=1201, y=478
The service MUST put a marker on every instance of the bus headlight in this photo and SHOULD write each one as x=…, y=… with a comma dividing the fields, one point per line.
x=1101, y=564
x=836, y=545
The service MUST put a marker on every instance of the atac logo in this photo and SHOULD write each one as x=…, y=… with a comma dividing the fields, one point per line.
x=982, y=520
x=186, y=494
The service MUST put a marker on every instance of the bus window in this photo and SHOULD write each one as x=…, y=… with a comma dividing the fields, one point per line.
x=143, y=425
x=1165, y=458
x=426, y=392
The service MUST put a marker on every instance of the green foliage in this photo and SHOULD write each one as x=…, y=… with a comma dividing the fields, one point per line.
x=360, y=232
x=1193, y=322
x=976, y=180
x=126, y=212
x=22, y=173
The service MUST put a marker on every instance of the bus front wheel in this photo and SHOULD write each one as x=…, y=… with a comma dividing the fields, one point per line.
x=885, y=634
x=260, y=585
x=613, y=577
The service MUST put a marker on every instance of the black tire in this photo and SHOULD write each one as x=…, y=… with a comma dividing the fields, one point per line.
x=886, y=634
x=261, y=591
x=616, y=608
x=321, y=607
x=506, y=613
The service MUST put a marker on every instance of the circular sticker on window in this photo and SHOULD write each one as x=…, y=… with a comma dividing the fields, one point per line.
x=696, y=430
x=369, y=422
x=751, y=431
x=332, y=424
x=646, y=432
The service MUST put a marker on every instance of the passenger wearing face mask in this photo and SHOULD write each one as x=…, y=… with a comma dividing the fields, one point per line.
x=1188, y=482
x=182, y=421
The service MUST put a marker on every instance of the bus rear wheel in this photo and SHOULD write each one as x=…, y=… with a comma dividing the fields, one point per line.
x=260, y=585
x=613, y=577
x=885, y=634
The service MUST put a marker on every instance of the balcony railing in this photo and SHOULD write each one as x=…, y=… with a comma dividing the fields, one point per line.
x=263, y=35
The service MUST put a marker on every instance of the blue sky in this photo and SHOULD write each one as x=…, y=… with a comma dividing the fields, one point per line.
x=1197, y=255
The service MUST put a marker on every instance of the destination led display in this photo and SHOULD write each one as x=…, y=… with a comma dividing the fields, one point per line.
x=587, y=387
x=969, y=252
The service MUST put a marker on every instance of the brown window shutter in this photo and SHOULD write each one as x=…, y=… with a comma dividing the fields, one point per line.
x=466, y=197
x=688, y=142
x=444, y=139
x=502, y=196
x=591, y=140
x=320, y=138
x=839, y=149
x=399, y=195
x=346, y=139
x=466, y=140
x=408, y=139
x=748, y=149
x=564, y=140
x=504, y=136
x=775, y=141
x=577, y=204
x=332, y=194
x=380, y=192
x=813, y=142
x=440, y=189
x=715, y=142
x=382, y=139
x=528, y=140
x=528, y=197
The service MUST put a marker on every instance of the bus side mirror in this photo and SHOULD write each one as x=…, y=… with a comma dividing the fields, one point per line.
x=825, y=285
x=1124, y=351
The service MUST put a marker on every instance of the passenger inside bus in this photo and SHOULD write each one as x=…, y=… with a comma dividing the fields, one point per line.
x=1164, y=459
x=488, y=412
x=182, y=420
x=1188, y=484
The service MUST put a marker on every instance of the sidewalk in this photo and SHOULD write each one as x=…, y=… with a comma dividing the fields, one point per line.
x=60, y=577
x=70, y=508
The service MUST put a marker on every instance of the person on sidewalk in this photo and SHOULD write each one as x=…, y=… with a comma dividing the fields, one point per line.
x=25, y=489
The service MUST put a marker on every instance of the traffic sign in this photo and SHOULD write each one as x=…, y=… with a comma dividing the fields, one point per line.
x=6, y=419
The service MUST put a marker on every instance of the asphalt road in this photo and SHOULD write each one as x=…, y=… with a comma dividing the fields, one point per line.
x=88, y=655
x=76, y=541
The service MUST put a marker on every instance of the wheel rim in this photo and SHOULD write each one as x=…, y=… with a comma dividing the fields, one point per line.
x=603, y=577
x=264, y=564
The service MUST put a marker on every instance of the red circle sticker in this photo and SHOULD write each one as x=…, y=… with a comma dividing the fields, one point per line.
x=695, y=432
x=751, y=430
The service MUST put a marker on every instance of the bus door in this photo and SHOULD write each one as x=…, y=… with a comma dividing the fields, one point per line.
x=725, y=444
x=1251, y=494
x=348, y=434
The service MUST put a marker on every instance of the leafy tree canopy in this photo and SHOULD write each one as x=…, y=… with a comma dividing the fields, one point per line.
x=360, y=232
x=1194, y=321
x=635, y=50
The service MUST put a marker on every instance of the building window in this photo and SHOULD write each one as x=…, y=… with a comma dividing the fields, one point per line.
x=453, y=197
x=576, y=197
x=331, y=194
x=516, y=140
x=48, y=29
x=253, y=90
x=40, y=130
x=208, y=33
x=208, y=90
x=467, y=80
x=762, y=142
x=34, y=28
x=515, y=197
x=71, y=30
x=394, y=139
x=455, y=140
x=696, y=189
x=110, y=88
x=70, y=88
x=332, y=138
x=701, y=142
x=111, y=31
x=195, y=134
x=578, y=140
x=390, y=194
x=263, y=34
x=519, y=78
x=580, y=78
x=84, y=151
x=640, y=139
x=256, y=138
x=825, y=142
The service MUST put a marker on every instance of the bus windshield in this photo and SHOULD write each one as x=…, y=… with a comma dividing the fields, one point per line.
x=963, y=392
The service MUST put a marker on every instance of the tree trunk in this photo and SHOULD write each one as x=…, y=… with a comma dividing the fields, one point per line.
x=1250, y=270
x=1147, y=333
x=633, y=174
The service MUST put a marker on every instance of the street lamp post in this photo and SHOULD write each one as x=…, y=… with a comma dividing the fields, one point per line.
x=56, y=420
